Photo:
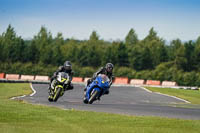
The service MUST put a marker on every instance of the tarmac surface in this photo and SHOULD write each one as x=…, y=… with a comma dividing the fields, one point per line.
x=127, y=100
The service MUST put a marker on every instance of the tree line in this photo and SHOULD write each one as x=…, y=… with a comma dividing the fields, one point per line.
x=149, y=58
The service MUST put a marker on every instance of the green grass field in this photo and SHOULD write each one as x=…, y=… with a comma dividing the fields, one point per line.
x=192, y=96
x=21, y=117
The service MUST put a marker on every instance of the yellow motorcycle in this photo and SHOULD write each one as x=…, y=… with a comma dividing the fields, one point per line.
x=58, y=86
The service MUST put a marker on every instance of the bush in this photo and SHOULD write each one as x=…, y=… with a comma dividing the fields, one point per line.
x=87, y=72
x=27, y=68
x=164, y=71
x=123, y=72
x=146, y=74
x=189, y=79
x=197, y=82
x=76, y=69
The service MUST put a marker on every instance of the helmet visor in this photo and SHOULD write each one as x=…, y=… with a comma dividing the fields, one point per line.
x=109, y=69
x=67, y=67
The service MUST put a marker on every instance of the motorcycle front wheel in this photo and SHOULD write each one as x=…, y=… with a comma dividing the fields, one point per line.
x=93, y=97
x=50, y=98
x=57, y=94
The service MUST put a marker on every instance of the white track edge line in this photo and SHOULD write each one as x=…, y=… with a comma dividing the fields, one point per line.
x=17, y=97
x=145, y=89
x=173, y=97
x=165, y=95
x=34, y=91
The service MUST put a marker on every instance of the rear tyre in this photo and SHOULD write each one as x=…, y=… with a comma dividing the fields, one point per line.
x=57, y=94
x=93, y=97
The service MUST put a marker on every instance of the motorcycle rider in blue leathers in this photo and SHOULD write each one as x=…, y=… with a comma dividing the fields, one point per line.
x=107, y=70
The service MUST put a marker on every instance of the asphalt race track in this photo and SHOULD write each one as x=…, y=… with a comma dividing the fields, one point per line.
x=121, y=100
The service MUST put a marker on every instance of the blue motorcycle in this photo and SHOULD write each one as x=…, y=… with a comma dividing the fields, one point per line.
x=96, y=89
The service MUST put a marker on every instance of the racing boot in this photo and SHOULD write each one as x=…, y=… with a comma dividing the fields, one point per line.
x=69, y=87
x=107, y=92
x=84, y=96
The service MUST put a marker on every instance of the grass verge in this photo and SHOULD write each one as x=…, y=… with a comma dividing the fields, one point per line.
x=192, y=96
x=20, y=117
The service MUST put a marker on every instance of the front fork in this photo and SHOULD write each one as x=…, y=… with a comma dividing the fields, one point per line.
x=90, y=92
x=59, y=86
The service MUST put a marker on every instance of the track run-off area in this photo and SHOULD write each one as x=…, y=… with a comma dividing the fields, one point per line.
x=126, y=100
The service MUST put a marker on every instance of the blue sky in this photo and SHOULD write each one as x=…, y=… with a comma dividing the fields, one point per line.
x=112, y=19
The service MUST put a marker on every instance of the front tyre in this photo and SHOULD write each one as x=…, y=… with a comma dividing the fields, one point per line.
x=85, y=100
x=57, y=94
x=93, y=97
x=50, y=98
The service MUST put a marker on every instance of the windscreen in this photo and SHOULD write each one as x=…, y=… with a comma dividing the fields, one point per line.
x=104, y=77
x=64, y=75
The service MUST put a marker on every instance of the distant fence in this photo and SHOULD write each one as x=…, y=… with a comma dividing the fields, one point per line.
x=117, y=81
x=153, y=82
x=121, y=80
x=12, y=76
x=137, y=81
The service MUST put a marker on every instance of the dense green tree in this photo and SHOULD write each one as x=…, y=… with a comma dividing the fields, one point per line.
x=145, y=59
x=152, y=35
x=180, y=60
x=69, y=51
x=150, y=58
x=58, y=40
x=94, y=37
x=198, y=41
x=47, y=55
x=154, y=47
x=108, y=56
x=13, y=46
x=89, y=55
x=196, y=55
x=174, y=46
x=32, y=53
x=189, y=54
x=131, y=38
x=57, y=57
x=82, y=59
x=140, y=57
x=157, y=51
x=1, y=47
x=119, y=51
x=43, y=41
x=43, y=38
